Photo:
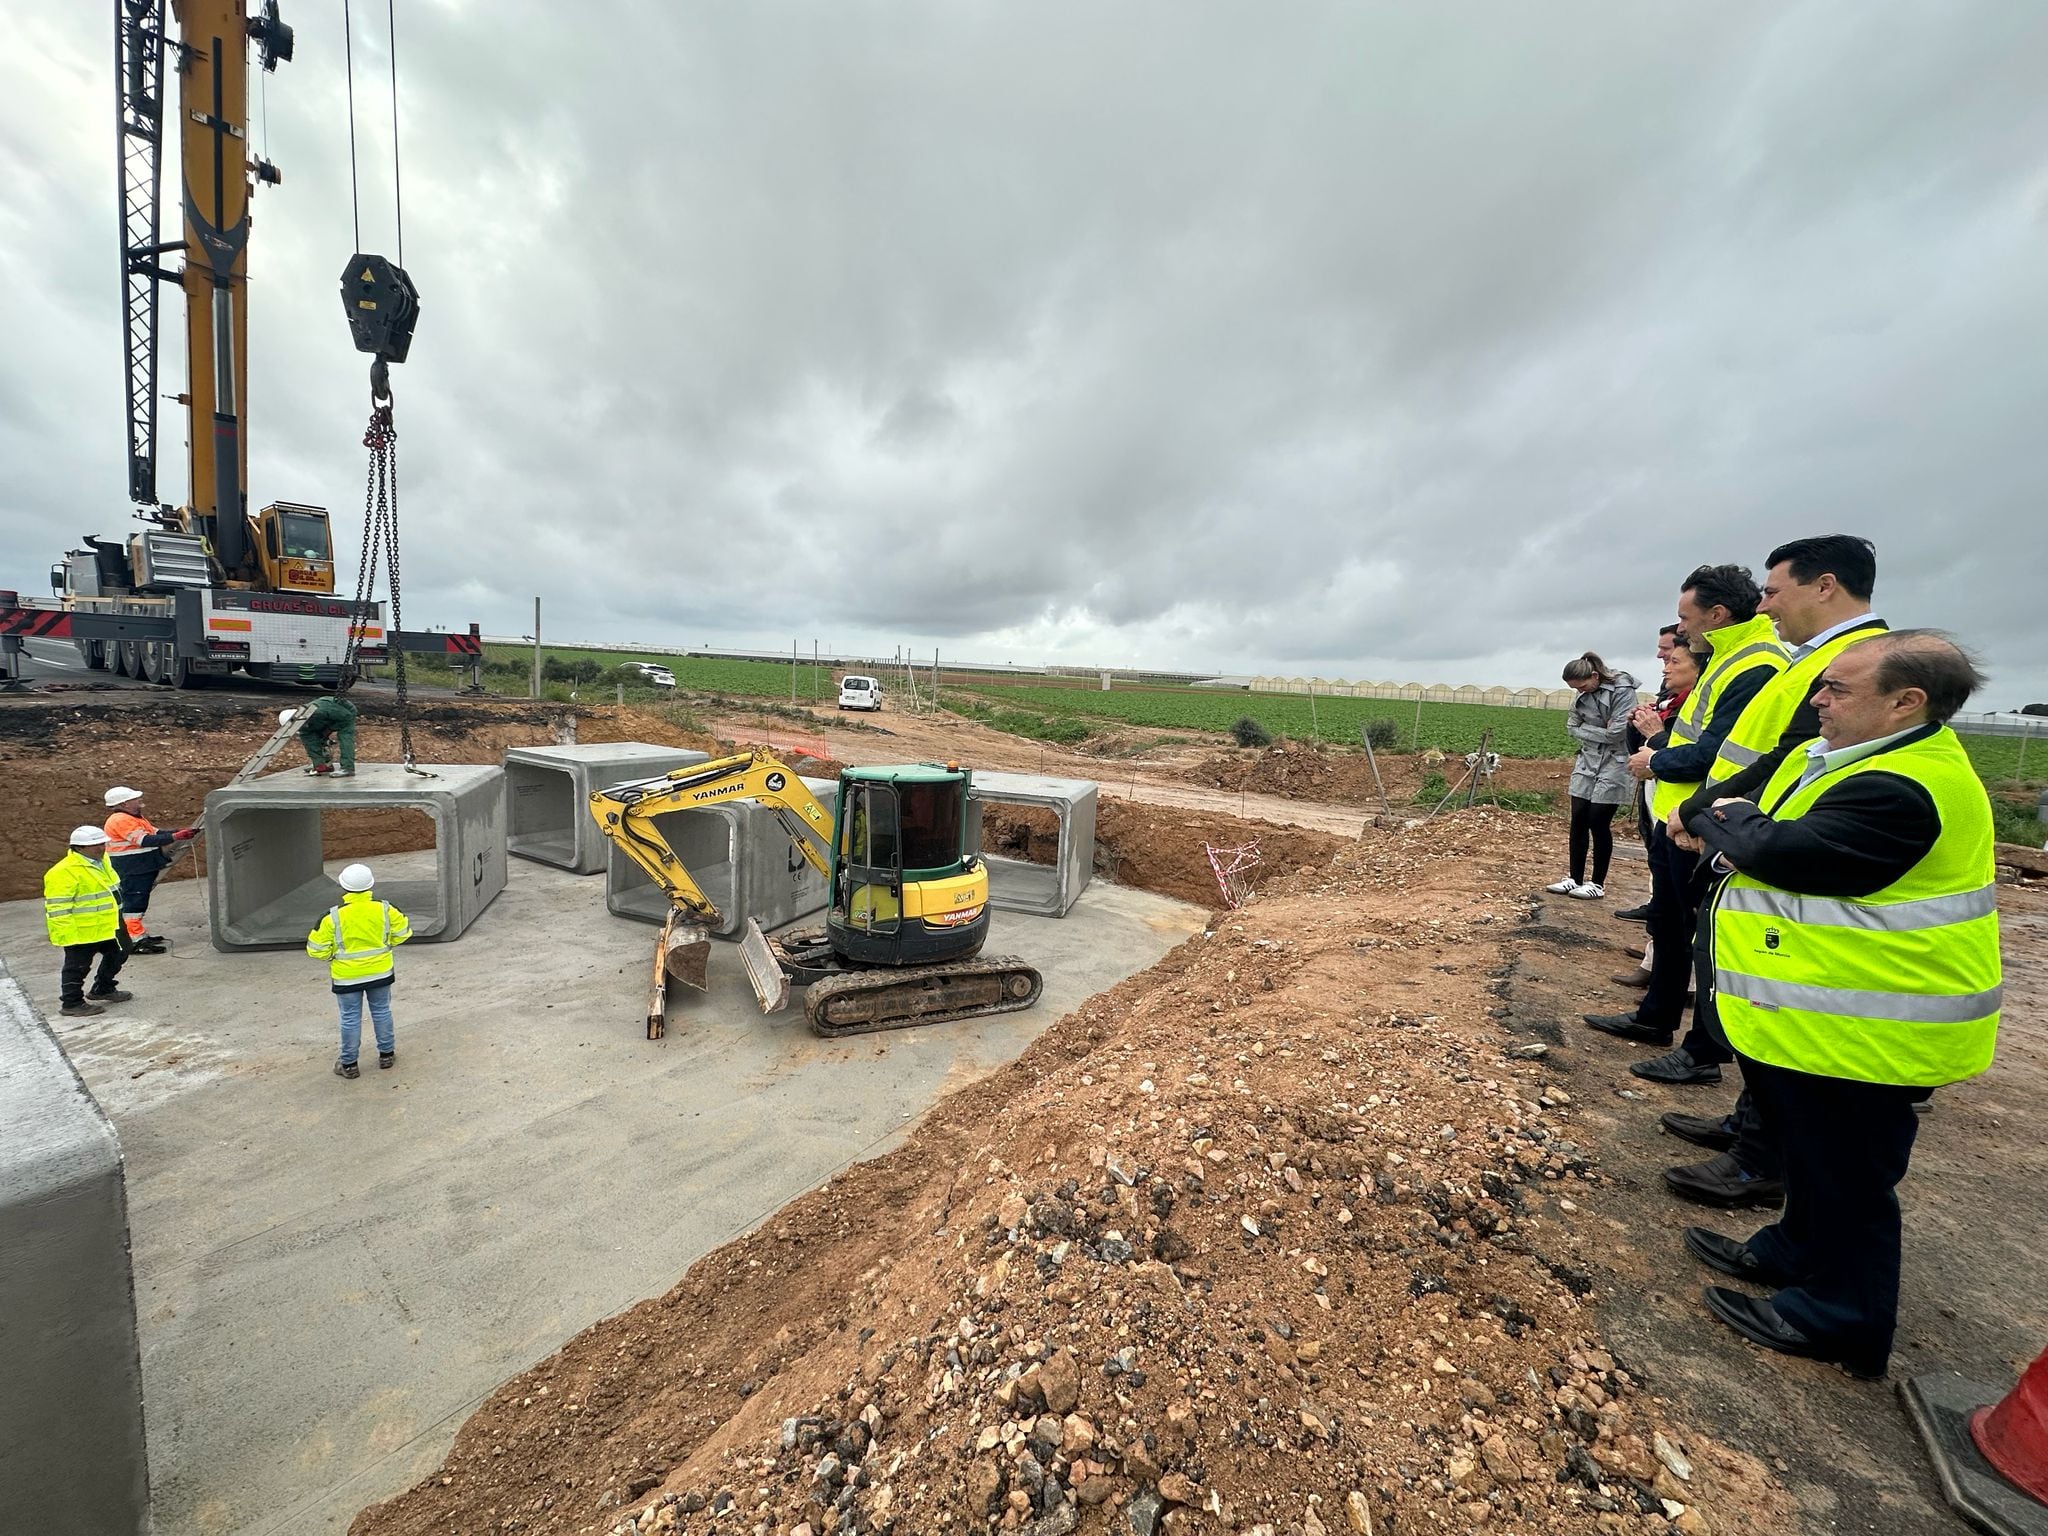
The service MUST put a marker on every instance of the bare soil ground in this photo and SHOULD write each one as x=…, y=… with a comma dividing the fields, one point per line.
x=1277, y=1236
x=1344, y=775
x=1169, y=773
x=1334, y=1221
x=1976, y=1239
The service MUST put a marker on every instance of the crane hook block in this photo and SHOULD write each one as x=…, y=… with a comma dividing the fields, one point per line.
x=382, y=304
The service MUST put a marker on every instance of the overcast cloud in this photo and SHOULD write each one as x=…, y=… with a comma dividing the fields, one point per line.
x=1409, y=341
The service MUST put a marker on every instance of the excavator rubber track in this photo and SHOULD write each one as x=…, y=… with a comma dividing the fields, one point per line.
x=865, y=1002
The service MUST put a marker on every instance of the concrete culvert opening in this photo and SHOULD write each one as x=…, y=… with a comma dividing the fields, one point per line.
x=704, y=844
x=285, y=861
x=542, y=814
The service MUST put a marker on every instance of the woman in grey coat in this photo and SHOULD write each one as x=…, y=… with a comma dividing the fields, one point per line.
x=1601, y=783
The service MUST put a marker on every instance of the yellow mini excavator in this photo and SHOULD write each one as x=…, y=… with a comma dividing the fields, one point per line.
x=907, y=910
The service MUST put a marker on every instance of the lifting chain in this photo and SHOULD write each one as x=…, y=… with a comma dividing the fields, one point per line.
x=380, y=535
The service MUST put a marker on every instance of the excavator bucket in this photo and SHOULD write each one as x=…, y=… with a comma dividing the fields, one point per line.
x=682, y=952
x=771, y=982
x=686, y=953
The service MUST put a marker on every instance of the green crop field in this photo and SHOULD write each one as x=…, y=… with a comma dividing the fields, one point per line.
x=1448, y=727
x=509, y=668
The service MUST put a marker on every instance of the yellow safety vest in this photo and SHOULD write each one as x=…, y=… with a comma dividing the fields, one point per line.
x=1737, y=648
x=1901, y=986
x=357, y=937
x=79, y=901
x=1765, y=717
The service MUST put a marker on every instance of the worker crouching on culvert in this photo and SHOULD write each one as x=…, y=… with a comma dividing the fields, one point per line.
x=356, y=939
x=330, y=718
x=83, y=914
x=138, y=852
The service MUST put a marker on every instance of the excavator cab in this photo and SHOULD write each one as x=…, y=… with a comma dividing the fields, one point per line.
x=905, y=889
x=907, y=899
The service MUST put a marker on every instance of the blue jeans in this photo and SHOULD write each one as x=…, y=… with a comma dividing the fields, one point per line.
x=352, y=1019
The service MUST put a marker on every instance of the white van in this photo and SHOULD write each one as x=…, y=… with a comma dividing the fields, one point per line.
x=859, y=693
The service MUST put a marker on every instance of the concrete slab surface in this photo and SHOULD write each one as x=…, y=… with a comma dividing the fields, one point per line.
x=330, y=1275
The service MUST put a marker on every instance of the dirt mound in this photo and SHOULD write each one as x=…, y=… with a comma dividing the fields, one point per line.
x=59, y=760
x=1343, y=775
x=1259, y=1241
x=1161, y=848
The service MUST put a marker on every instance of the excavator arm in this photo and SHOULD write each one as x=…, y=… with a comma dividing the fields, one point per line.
x=626, y=814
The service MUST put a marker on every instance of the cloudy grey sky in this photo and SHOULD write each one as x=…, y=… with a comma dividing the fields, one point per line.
x=1367, y=340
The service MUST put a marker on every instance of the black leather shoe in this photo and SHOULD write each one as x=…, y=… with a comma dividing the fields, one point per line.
x=110, y=995
x=1730, y=1258
x=1758, y=1321
x=1720, y=1181
x=1700, y=1130
x=150, y=944
x=1625, y=1026
x=1634, y=914
x=1677, y=1067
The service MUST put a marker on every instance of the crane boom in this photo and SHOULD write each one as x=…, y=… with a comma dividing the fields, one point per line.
x=138, y=137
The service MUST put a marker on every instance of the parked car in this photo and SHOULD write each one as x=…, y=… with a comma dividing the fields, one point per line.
x=648, y=674
x=859, y=693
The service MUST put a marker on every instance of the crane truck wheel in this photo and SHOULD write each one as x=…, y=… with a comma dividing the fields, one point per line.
x=124, y=658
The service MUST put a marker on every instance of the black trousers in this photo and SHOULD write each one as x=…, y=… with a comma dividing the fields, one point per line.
x=78, y=960
x=1836, y=1247
x=1705, y=1040
x=1673, y=919
x=1592, y=824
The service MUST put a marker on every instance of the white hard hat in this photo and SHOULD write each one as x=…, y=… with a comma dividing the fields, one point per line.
x=83, y=836
x=357, y=877
x=286, y=716
x=121, y=794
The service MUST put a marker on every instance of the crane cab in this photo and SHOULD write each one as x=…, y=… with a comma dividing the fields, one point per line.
x=905, y=887
x=295, y=547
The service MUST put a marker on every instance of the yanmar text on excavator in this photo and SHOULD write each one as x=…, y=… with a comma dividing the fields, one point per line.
x=907, y=912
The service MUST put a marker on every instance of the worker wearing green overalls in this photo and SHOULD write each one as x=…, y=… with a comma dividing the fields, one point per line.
x=330, y=717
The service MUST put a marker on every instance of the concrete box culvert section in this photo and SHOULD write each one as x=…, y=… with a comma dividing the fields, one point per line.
x=548, y=792
x=1020, y=885
x=741, y=856
x=266, y=884
x=71, y=1442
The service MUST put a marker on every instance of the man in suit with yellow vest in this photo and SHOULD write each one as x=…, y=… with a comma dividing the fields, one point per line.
x=1817, y=591
x=1856, y=968
x=1716, y=605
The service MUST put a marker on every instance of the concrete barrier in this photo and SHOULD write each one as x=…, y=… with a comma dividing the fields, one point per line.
x=72, y=1455
x=741, y=857
x=548, y=792
x=267, y=885
x=1019, y=885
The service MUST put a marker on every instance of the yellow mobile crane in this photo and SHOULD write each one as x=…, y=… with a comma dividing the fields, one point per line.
x=907, y=910
x=208, y=588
